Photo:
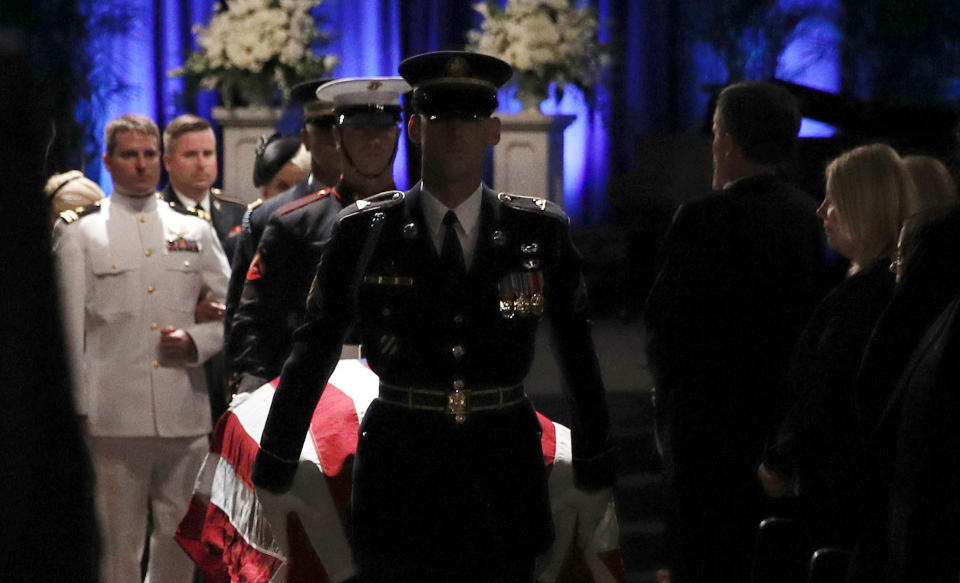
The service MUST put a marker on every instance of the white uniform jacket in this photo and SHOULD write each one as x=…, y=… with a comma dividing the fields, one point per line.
x=128, y=271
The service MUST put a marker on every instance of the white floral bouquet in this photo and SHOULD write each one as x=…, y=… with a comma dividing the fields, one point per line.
x=544, y=40
x=251, y=48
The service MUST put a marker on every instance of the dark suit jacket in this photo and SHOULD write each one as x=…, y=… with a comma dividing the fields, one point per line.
x=423, y=483
x=225, y=214
x=741, y=272
x=930, y=281
x=923, y=537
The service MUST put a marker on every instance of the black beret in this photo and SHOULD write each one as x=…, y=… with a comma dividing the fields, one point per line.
x=272, y=154
x=455, y=84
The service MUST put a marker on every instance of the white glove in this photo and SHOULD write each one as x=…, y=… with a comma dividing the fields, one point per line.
x=591, y=507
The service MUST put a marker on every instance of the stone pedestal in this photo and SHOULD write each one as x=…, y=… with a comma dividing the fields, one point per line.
x=242, y=128
x=529, y=158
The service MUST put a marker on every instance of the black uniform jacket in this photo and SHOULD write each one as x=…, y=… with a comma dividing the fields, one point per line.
x=225, y=214
x=421, y=478
x=252, y=226
x=275, y=292
x=741, y=273
x=818, y=440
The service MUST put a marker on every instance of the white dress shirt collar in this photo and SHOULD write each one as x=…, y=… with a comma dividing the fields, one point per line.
x=468, y=217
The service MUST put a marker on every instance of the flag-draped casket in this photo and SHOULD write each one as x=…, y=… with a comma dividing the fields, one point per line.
x=238, y=534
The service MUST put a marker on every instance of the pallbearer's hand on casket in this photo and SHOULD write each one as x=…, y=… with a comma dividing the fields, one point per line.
x=591, y=507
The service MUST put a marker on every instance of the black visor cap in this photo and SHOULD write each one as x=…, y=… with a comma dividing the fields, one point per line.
x=455, y=101
x=368, y=115
x=322, y=122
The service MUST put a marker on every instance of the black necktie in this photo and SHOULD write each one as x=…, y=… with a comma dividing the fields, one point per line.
x=452, y=253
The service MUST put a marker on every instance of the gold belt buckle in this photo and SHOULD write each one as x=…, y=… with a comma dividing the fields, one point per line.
x=457, y=405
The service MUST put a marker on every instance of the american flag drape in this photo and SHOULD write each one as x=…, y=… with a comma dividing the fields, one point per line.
x=231, y=529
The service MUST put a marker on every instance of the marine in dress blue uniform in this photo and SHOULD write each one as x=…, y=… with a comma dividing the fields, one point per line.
x=324, y=171
x=449, y=482
x=366, y=113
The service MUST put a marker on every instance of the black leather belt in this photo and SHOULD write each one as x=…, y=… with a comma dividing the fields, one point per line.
x=458, y=402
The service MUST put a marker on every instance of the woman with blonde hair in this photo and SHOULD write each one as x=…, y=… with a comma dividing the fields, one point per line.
x=816, y=452
x=869, y=193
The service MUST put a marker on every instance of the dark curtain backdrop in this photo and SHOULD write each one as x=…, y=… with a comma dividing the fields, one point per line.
x=131, y=61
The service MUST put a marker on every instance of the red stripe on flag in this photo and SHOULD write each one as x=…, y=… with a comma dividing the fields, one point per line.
x=219, y=550
x=189, y=534
x=236, y=447
x=334, y=430
x=613, y=560
x=548, y=440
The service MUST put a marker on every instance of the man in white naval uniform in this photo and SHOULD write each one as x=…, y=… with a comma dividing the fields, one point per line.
x=132, y=271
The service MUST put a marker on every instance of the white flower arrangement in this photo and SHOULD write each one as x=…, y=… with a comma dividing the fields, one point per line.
x=544, y=40
x=254, y=47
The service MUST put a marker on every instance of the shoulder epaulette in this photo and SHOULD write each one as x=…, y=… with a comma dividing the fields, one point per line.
x=532, y=204
x=217, y=193
x=381, y=201
x=304, y=201
x=194, y=212
x=72, y=215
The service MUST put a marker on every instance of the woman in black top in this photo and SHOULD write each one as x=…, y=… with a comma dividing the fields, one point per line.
x=815, y=454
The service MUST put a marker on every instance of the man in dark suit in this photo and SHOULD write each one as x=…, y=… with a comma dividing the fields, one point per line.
x=446, y=284
x=317, y=137
x=190, y=157
x=367, y=114
x=740, y=273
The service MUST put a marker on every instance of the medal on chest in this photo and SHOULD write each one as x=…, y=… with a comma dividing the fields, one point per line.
x=179, y=243
x=521, y=291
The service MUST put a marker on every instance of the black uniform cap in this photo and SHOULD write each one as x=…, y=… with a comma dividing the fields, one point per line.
x=272, y=155
x=455, y=84
x=315, y=112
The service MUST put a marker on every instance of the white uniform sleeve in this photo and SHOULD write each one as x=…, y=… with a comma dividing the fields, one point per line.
x=71, y=271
